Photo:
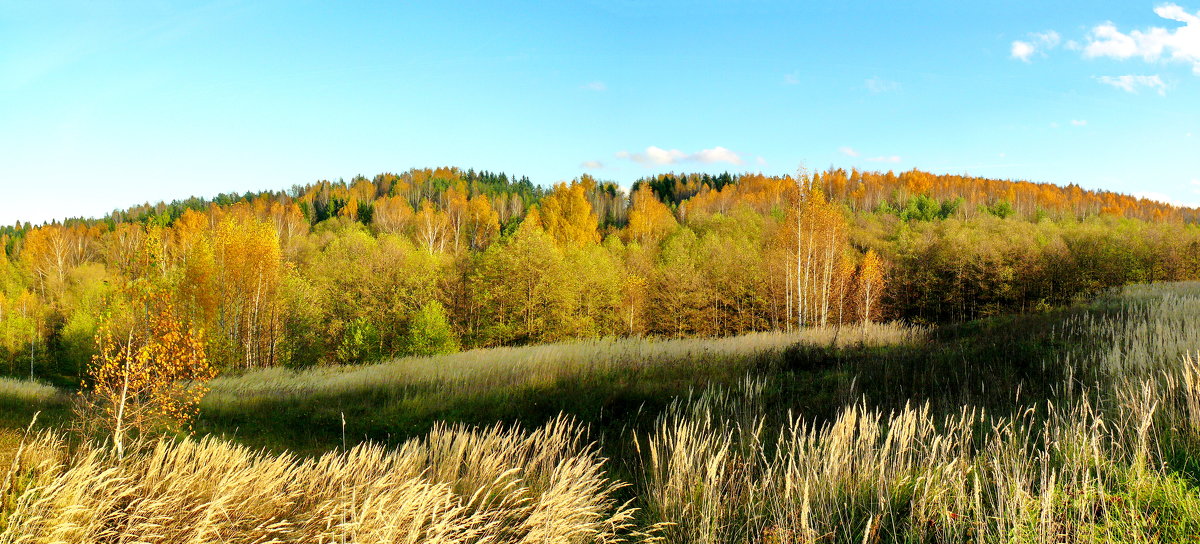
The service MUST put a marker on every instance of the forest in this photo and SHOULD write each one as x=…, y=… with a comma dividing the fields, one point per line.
x=440, y=260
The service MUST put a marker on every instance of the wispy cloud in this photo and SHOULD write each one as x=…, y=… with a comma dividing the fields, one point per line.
x=761, y=161
x=848, y=151
x=1024, y=50
x=879, y=85
x=1181, y=44
x=597, y=86
x=1131, y=83
x=592, y=165
x=791, y=79
x=1079, y=122
x=890, y=158
x=657, y=156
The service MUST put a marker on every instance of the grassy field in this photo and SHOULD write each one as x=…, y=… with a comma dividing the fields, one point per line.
x=1076, y=425
x=608, y=384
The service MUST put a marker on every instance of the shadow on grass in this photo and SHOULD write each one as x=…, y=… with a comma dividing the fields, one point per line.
x=995, y=364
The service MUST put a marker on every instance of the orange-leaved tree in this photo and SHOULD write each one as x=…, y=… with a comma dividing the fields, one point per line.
x=149, y=371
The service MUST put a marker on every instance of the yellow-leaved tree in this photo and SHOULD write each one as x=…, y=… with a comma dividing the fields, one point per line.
x=568, y=217
x=870, y=285
x=149, y=371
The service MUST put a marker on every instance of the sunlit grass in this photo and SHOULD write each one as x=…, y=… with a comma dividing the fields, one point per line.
x=605, y=383
x=471, y=371
x=498, y=485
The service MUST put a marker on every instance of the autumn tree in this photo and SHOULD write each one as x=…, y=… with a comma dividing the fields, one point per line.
x=393, y=214
x=150, y=370
x=231, y=284
x=432, y=228
x=568, y=217
x=481, y=224
x=869, y=286
x=649, y=219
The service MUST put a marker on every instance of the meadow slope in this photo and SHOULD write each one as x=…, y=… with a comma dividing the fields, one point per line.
x=1078, y=425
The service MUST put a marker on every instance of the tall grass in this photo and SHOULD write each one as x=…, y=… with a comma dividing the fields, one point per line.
x=1107, y=462
x=479, y=370
x=456, y=485
x=1073, y=475
x=21, y=399
x=601, y=382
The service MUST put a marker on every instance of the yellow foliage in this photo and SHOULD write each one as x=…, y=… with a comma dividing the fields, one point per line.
x=568, y=216
x=150, y=373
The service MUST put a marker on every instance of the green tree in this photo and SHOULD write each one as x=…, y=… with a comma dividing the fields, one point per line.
x=430, y=332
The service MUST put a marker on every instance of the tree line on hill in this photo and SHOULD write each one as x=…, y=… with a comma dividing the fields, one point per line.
x=435, y=260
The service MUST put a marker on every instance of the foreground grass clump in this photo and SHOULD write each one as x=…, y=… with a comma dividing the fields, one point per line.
x=1107, y=454
x=717, y=474
x=455, y=485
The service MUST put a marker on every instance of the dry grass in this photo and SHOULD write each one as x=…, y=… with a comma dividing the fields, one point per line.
x=498, y=368
x=457, y=485
x=27, y=391
x=1070, y=475
x=1101, y=465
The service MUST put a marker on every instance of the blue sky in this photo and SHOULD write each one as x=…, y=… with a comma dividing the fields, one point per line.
x=107, y=105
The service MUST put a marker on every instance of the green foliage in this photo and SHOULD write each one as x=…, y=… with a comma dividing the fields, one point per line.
x=360, y=342
x=922, y=208
x=430, y=333
x=1003, y=210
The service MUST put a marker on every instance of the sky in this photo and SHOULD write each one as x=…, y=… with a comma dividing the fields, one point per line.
x=108, y=105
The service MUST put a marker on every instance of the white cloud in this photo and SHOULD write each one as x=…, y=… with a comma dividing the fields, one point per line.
x=597, y=86
x=1023, y=50
x=791, y=79
x=848, y=151
x=1181, y=44
x=761, y=161
x=1038, y=41
x=1131, y=83
x=654, y=155
x=891, y=159
x=1053, y=124
x=592, y=165
x=1079, y=122
x=880, y=85
x=717, y=154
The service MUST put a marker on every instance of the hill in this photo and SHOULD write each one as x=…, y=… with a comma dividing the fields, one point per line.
x=437, y=260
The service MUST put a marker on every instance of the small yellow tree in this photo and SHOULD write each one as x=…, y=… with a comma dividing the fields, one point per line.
x=150, y=374
x=870, y=285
